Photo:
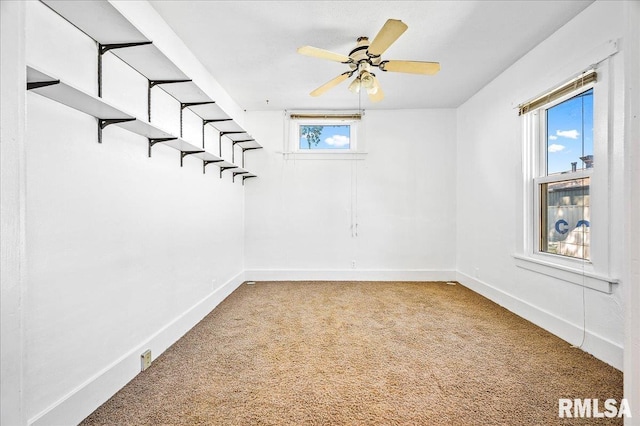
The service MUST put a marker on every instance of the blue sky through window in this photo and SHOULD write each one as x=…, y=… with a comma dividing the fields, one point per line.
x=570, y=133
x=330, y=137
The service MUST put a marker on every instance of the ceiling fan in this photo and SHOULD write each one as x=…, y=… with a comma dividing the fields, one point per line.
x=366, y=56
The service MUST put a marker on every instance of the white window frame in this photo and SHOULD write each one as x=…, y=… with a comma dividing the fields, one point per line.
x=592, y=273
x=356, y=139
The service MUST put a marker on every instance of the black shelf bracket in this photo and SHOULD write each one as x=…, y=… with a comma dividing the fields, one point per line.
x=151, y=85
x=247, y=177
x=205, y=163
x=152, y=142
x=233, y=178
x=248, y=149
x=102, y=123
x=222, y=169
x=243, y=141
x=104, y=48
x=185, y=153
x=233, y=148
x=209, y=121
x=203, y=125
x=217, y=120
x=220, y=141
x=184, y=105
x=36, y=84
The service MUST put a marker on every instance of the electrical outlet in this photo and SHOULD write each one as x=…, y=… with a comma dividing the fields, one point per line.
x=145, y=360
x=353, y=264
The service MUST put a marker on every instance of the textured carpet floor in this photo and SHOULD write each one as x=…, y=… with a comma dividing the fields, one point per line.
x=361, y=353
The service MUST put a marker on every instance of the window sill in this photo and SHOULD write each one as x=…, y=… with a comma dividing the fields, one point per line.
x=566, y=273
x=324, y=155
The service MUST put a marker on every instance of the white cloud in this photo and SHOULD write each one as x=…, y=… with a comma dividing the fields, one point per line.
x=556, y=148
x=337, y=140
x=571, y=134
x=552, y=137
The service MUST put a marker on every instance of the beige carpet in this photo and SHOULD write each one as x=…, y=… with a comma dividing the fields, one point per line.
x=361, y=353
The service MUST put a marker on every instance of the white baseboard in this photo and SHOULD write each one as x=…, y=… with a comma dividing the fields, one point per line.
x=596, y=345
x=86, y=398
x=348, y=275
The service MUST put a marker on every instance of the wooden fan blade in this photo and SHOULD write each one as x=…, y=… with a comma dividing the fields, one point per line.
x=388, y=34
x=323, y=54
x=412, y=67
x=331, y=84
x=379, y=95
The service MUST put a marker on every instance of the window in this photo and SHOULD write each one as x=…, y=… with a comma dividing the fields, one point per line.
x=562, y=184
x=567, y=199
x=324, y=136
x=330, y=134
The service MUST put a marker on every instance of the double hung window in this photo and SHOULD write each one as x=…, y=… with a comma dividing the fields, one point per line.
x=565, y=165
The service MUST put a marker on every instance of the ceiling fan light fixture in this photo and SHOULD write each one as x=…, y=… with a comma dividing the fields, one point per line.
x=355, y=85
x=367, y=80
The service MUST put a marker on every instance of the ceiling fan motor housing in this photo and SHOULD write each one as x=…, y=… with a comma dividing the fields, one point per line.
x=360, y=55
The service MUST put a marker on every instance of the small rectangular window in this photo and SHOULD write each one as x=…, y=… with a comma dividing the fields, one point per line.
x=332, y=134
x=324, y=137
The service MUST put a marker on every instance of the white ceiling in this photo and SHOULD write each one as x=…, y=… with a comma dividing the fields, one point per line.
x=250, y=46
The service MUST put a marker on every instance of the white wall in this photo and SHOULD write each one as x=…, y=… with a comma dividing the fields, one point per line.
x=632, y=209
x=300, y=214
x=489, y=189
x=12, y=214
x=124, y=252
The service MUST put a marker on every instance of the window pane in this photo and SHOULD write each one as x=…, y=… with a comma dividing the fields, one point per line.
x=570, y=134
x=565, y=215
x=325, y=137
